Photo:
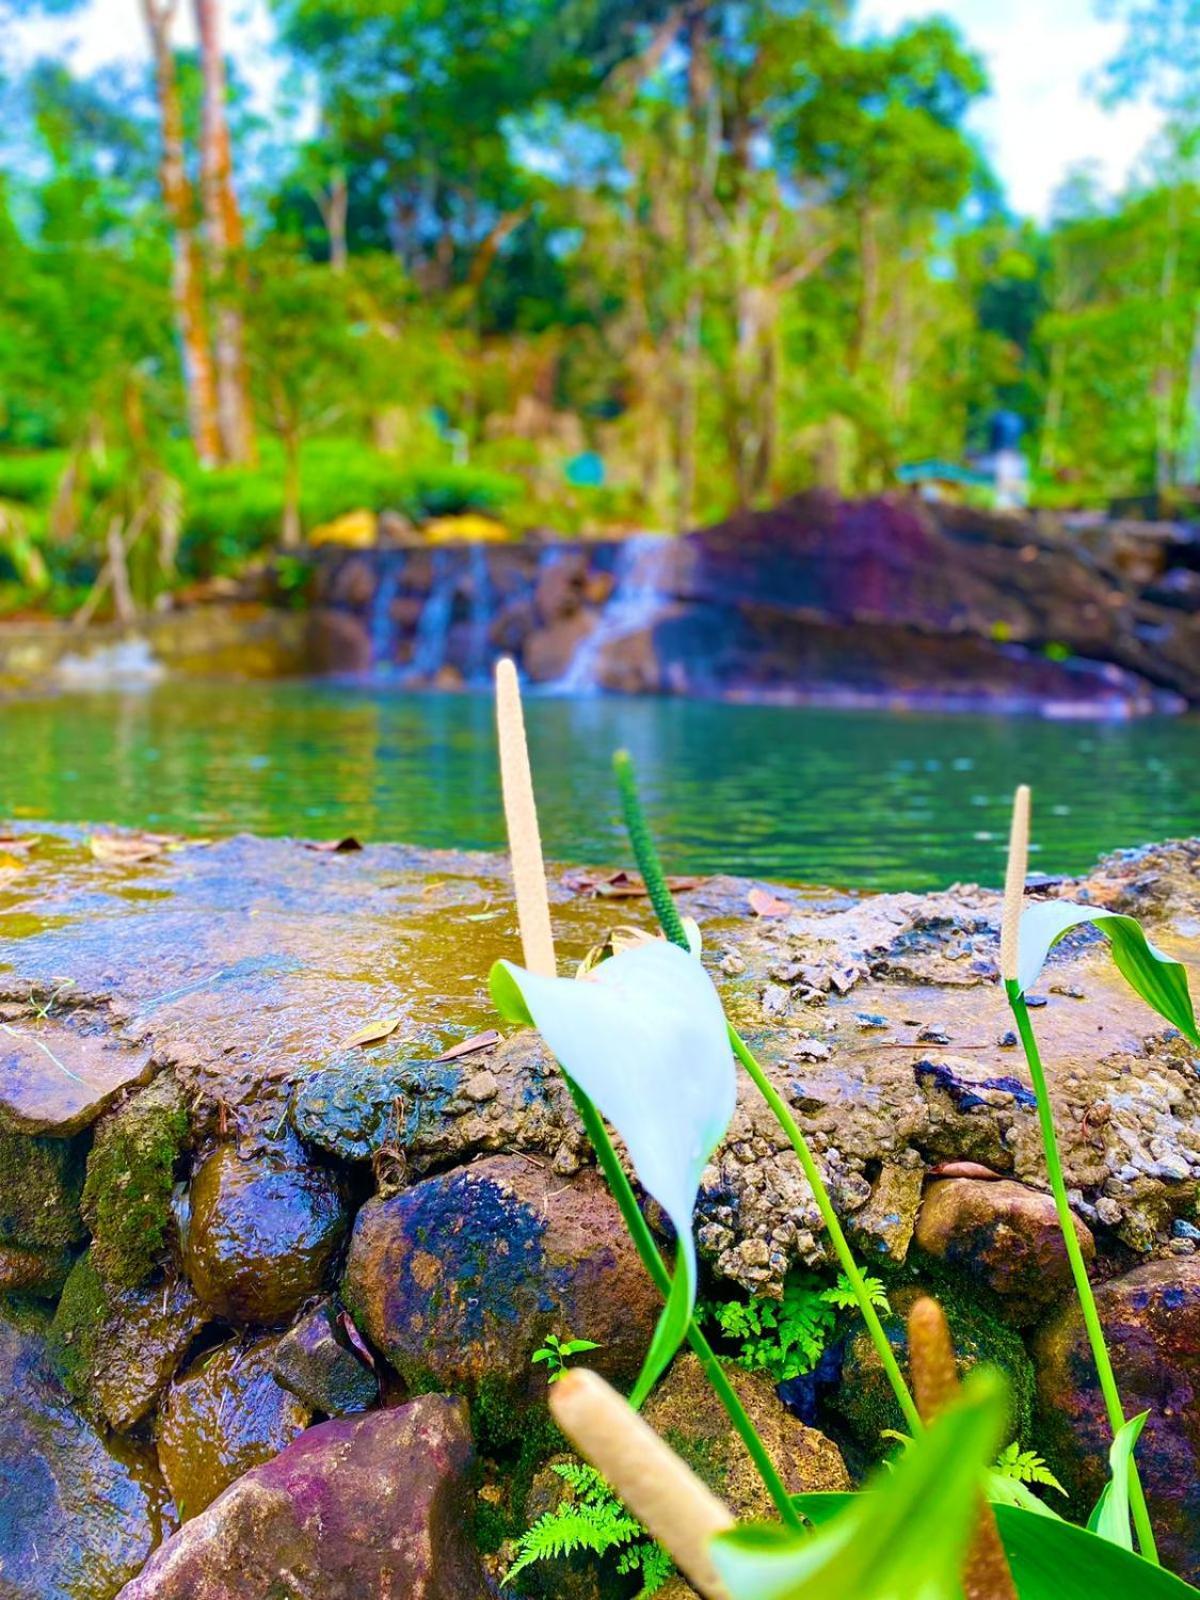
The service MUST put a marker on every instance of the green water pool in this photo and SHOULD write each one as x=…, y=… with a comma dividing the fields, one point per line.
x=857, y=798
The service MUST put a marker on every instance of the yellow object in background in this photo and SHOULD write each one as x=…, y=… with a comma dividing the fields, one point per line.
x=358, y=529
x=470, y=527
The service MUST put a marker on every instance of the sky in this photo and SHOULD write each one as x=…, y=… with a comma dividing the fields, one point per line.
x=1039, y=122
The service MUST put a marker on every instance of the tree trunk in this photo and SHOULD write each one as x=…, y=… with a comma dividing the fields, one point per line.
x=118, y=571
x=695, y=180
x=291, y=532
x=226, y=238
x=334, y=205
x=186, y=280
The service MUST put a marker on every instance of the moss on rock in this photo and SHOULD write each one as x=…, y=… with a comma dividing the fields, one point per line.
x=40, y=1181
x=130, y=1175
x=76, y=1329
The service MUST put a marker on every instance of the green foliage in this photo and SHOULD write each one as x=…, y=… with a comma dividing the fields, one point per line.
x=591, y=1518
x=786, y=1338
x=1025, y=1466
x=557, y=1352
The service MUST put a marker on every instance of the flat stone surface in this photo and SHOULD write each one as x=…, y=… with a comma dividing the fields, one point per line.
x=56, y=1080
x=246, y=965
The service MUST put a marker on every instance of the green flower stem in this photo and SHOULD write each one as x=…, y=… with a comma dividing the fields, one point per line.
x=1083, y=1285
x=650, y=866
x=833, y=1226
x=646, y=852
x=643, y=1240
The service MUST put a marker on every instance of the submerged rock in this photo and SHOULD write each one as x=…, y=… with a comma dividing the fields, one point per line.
x=688, y=1415
x=1151, y=1320
x=313, y=1363
x=262, y=1232
x=77, y=1520
x=226, y=1414
x=115, y=1350
x=1004, y=1236
x=459, y=1279
x=363, y=1507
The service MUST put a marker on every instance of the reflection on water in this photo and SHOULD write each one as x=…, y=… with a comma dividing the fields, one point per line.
x=866, y=799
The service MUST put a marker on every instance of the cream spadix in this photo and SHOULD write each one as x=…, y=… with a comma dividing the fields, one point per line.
x=645, y=1038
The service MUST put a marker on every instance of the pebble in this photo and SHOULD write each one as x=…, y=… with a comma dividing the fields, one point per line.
x=933, y=1036
x=870, y=1020
x=1181, y=1228
x=1007, y=1040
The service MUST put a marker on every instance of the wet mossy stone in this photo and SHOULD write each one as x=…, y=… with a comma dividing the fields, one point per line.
x=354, y=1105
x=77, y=1518
x=40, y=1184
x=1151, y=1321
x=864, y=1397
x=315, y=1364
x=130, y=1176
x=225, y=1414
x=32, y=1271
x=459, y=1279
x=115, y=1350
x=262, y=1231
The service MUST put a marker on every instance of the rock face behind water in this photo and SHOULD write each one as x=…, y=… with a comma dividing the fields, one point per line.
x=877, y=602
x=369, y=1508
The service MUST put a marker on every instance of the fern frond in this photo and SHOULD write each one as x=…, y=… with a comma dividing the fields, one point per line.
x=841, y=1295
x=1026, y=1466
x=570, y=1528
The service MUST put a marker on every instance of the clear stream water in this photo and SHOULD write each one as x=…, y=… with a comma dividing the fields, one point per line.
x=871, y=800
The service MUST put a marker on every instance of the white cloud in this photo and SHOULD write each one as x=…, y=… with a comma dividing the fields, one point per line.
x=1042, y=117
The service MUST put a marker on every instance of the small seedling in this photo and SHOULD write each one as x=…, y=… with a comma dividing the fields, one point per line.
x=557, y=1352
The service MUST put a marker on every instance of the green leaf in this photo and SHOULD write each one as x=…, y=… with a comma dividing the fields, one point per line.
x=645, y=1038
x=1160, y=980
x=1050, y=1559
x=904, y=1539
x=574, y=1347
x=1110, y=1519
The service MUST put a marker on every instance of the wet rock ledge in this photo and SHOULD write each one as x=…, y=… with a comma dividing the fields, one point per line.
x=268, y=1298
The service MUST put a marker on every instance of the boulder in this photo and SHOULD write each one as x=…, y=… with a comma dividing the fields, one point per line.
x=1005, y=1236
x=115, y=1350
x=56, y=1080
x=863, y=1397
x=884, y=1225
x=1151, y=1320
x=226, y=1414
x=459, y=1279
x=262, y=1232
x=315, y=1364
x=130, y=1177
x=685, y=1411
x=364, y=1507
x=41, y=1272
x=77, y=1520
x=40, y=1184
x=337, y=641
x=549, y=651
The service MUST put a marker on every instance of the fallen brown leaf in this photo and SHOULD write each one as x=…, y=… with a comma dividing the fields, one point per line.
x=466, y=1047
x=355, y=1339
x=964, y=1169
x=373, y=1033
x=764, y=904
x=127, y=848
x=18, y=844
x=332, y=847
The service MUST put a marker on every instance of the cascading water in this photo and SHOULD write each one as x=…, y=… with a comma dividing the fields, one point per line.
x=479, y=654
x=433, y=625
x=381, y=623
x=637, y=598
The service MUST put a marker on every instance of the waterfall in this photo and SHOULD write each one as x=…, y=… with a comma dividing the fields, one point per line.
x=479, y=655
x=381, y=624
x=636, y=599
x=433, y=625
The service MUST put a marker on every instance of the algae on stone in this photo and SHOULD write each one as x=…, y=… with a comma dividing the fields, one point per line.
x=40, y=1182
x=130, y=1176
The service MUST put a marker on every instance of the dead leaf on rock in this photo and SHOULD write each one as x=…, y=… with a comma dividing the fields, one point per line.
x=964, y=1169
x=333, y=847
x=373, y=1033
x=18, y=844
x=355, y=1339
x=467, y=1047
x=127, y=849
x=765, y=904
x=619, y=885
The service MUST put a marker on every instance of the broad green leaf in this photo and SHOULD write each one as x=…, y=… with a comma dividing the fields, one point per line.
x=645, y=1038
x=1160, y=980
x=1050, y=1559
x=1110, y=1519
x=904, y=1539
